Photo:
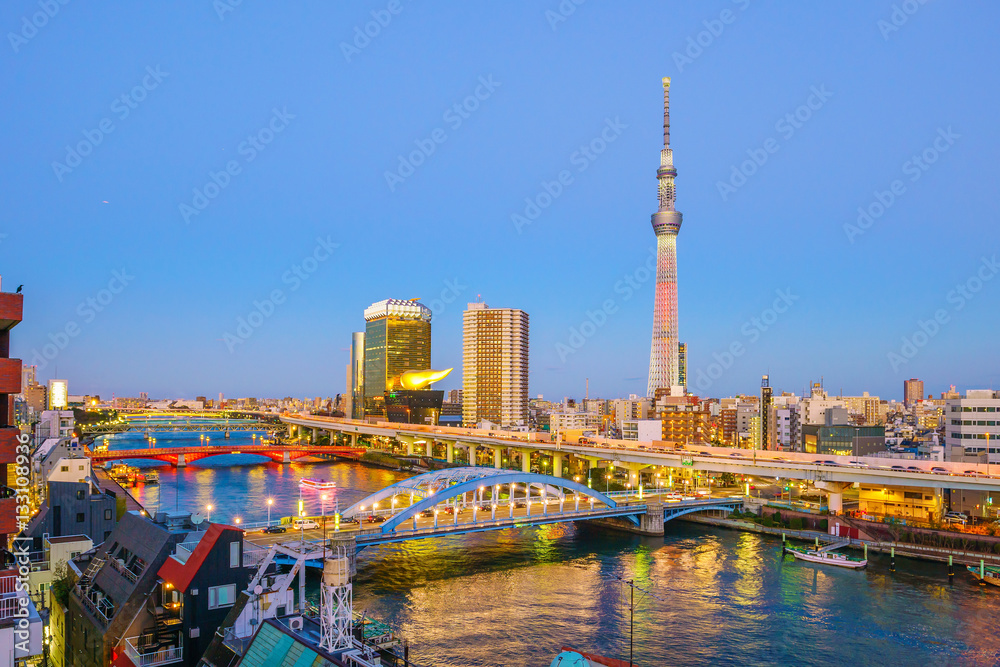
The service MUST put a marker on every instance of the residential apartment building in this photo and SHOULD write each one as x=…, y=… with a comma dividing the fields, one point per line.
x=973, y=423
x=495, y=365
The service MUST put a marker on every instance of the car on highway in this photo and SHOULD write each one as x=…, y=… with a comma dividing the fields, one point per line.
x=974, y=473
x=914, y=469
x=374, y=518
x=429, y=512
x=352, y=519
x=857, y=464
x=275, y=529
x=737, y=455
x=688, y=498
x=897, y=468
x=673, y=496
x=703, y=493
x=304, y=524
x=938, y=469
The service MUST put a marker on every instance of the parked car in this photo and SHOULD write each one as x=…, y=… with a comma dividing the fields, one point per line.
x=304, y=524
x=956, y=517
x=275, y=529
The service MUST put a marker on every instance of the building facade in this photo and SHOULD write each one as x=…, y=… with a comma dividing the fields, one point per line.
x=495, y=344
x=397, y=339
x=973, y=423
x=913, y=391
x=11, y=306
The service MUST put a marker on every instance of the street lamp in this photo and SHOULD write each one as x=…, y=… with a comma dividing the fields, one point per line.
x=209, y=508
x=270, y=501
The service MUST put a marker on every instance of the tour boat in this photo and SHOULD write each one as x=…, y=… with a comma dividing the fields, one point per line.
x=152, y=477
x=991, y=574
x=827, y=556
x=317, y=484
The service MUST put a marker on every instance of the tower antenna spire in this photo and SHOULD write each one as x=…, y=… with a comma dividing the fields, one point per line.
x=666, y=112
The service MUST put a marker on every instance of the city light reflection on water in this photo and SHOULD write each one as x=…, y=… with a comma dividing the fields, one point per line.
x=514, y=597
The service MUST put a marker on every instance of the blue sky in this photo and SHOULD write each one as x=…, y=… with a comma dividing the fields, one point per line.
x=276, y=126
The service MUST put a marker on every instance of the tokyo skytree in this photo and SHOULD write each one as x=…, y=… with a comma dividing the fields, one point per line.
x=664, y=362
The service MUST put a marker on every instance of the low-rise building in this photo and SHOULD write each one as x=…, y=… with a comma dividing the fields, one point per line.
x=973, y=423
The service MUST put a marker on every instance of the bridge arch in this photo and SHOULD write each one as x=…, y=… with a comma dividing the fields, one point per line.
x=436, y=487
x=726, y=506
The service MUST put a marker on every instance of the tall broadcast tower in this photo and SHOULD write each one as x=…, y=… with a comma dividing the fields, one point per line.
x=664, y=362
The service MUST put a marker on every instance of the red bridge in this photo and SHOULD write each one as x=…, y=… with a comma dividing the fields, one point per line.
x=181, y=456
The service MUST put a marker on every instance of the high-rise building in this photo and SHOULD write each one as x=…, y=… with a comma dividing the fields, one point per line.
x=58, y=394
x=397, y=339
x=11, y=306
x=913, y=391
x=29, y=376
x=355, y=408
x=765, y=414
x=494, y=365
x=664, y=362
x=682, y=360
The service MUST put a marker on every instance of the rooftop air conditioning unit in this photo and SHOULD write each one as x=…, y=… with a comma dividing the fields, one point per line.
x=295, y=624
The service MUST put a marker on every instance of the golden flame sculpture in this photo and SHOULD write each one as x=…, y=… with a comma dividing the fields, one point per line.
x=420, y=379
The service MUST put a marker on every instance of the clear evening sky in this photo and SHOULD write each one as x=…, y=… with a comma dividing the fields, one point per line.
x=218, y=158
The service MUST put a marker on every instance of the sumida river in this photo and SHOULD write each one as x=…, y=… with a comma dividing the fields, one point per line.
x=514, y=597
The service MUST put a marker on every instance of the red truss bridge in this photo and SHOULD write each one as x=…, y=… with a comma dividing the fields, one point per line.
x=181, y=456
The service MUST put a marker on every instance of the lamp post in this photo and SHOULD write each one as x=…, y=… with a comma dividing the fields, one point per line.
x=209, y=508
x=270, y=501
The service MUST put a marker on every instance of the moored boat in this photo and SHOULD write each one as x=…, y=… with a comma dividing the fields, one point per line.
x=989, y=573
x=152, y=477
x=827, y=557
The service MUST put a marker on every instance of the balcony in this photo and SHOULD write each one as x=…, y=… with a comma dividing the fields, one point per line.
x=143, y=655
x=11, y=306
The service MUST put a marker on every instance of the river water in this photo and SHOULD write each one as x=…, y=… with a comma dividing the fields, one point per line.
x=712, y=596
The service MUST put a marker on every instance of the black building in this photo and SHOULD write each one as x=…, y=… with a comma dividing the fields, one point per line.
x=75, y=508
x=418, y=406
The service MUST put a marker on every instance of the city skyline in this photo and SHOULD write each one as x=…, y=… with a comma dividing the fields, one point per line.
x=781, y=261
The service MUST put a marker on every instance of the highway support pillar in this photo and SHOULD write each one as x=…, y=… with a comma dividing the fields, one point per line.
x=451, y=452
x=472, y=455
x=525, y=460
x=409, y=447
x=354, y=440
x=497, y=457
x=313, y=436
x=557, y=464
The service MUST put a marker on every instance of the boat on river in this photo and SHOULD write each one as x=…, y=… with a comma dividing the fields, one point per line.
x=827, y=556
x=990, y=573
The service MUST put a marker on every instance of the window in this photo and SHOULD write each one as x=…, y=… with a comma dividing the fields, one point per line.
x=107, y=515
x=234, y=554
x=79, y=517
x=79, y=494
x=63, y=468
x=221, y=596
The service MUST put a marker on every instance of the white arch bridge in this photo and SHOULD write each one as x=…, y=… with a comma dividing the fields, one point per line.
x=464, y=500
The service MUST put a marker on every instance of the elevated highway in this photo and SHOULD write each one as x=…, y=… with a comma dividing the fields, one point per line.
x=826, y=471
